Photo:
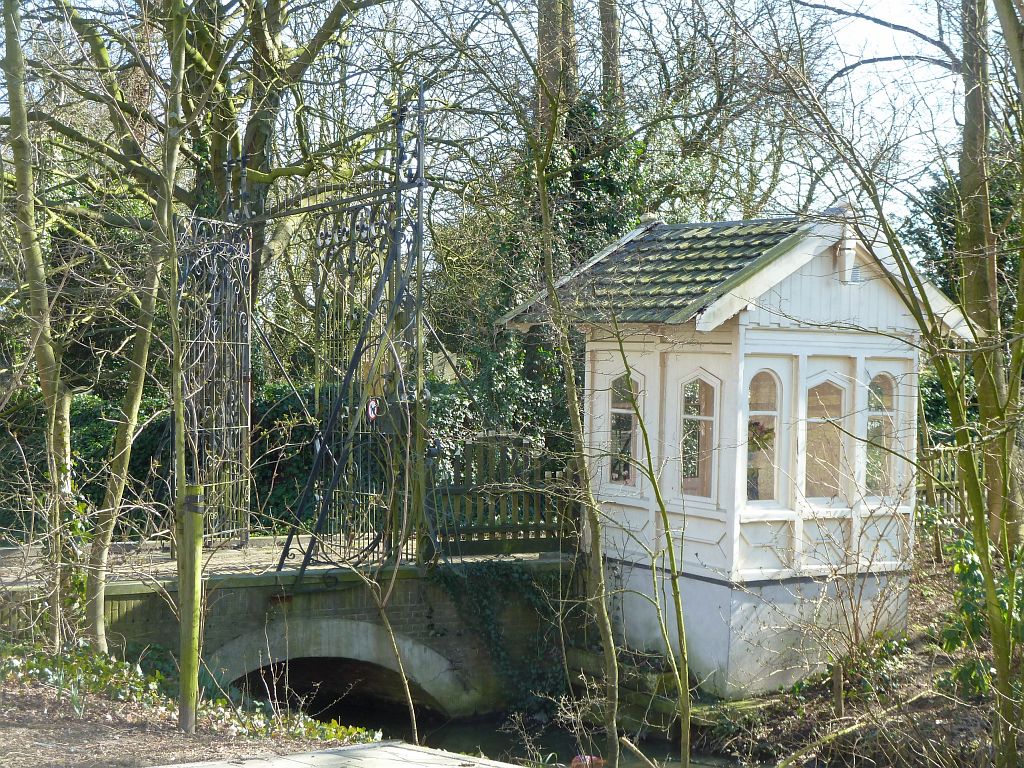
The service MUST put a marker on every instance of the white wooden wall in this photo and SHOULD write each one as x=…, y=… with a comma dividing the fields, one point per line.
x=815, y=296
x=809, y=327
x=661, y=360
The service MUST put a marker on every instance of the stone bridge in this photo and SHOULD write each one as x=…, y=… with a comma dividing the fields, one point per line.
x=329, y=629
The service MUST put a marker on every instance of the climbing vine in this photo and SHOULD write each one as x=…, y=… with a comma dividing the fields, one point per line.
x=479, y=591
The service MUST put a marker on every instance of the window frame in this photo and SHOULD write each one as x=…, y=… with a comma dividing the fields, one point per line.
x=893, y=416
x=846, y=477
x=700, y=374
x=612, y=411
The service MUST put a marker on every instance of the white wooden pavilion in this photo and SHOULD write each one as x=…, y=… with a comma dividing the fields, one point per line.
x=775, y=366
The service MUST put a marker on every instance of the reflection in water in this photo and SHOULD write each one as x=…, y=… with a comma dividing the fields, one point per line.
x=490, y=737
x=358, y=693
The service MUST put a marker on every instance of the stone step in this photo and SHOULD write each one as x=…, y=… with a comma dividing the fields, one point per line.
x=630, y=676
x=647, y=701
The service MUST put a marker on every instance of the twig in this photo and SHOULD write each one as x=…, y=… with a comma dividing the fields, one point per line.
x=636, y=751
x=864, y=721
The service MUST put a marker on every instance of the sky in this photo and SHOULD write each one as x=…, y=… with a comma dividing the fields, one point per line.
x=920, y=102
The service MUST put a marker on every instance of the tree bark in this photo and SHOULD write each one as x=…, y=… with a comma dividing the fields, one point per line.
x=597, y=587
x=611, y=78
x=56, y=394
x=549, y=65
x=96, y=579
x=188, y=507
x=977, y=246
x=976, y=242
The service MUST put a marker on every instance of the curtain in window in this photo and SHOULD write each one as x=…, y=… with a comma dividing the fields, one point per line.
x=824, y=470
x=623, y=432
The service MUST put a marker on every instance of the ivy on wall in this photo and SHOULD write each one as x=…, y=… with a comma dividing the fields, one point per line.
x=534, y=674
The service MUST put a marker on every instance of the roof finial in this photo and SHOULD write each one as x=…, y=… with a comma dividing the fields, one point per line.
x=843, y=209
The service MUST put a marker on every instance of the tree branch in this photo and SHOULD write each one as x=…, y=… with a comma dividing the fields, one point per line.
x=940, y=44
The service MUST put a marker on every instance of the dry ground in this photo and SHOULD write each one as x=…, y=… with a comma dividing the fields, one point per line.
x=39, y=731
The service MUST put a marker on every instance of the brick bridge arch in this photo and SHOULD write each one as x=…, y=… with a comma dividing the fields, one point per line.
x=297, y=637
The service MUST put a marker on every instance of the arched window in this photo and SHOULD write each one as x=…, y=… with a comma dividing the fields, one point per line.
x=824, y=469
x=762, y=437
x=881, y=435
x=697, y=438
x=623, y=431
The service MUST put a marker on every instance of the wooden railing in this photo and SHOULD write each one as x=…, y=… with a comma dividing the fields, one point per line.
x=939, y=481
x=498, y=496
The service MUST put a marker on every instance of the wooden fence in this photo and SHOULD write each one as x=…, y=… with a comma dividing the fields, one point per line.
x=939, y=481
x=500, y=497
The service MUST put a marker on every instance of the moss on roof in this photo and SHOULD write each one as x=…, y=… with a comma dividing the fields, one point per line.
x=671, y=271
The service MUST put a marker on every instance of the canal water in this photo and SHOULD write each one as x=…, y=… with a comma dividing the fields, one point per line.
x=495, y=738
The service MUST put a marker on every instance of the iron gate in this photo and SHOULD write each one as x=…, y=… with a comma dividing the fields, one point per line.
x=360, y=501
x=215, y=312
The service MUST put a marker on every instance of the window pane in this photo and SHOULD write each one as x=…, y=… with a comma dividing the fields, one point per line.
x=622, y=448
x=698, y=399
x=621, y=394
x=879, y=455
x=696, y=453
x=824, y=455
x=696, y=448
x=825, y=401
x=763, y=392
x=880, y=393
x=761, y=439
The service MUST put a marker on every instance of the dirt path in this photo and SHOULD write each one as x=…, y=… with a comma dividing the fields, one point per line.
x=39, y=731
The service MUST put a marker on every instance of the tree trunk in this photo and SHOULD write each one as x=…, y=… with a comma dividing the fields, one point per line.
x=56, y=395
x=597, y=591
x=976, y=243
x=188, y=523
x=679, y=659
x=96, y=579
x=977, y=246
x=611, y=78
x=549, y=65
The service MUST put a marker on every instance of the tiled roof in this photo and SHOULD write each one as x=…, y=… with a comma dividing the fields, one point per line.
x=669, y=272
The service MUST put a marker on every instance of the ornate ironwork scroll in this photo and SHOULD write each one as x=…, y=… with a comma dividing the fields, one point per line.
x=357, y=505
x=215, y=261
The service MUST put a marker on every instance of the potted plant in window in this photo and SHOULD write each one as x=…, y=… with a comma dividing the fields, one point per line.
x=760, y=441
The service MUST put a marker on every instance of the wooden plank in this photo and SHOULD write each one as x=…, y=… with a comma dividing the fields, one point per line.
x=481, y=502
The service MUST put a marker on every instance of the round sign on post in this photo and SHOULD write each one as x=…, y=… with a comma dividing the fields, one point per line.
x=372, y=409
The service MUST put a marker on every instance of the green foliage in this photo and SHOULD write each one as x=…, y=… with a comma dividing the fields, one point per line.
x=970, y=679
x=282, y=451
x=603, y=191
x=967, y=626
x=518, y=388
x=489, y=264
x=875, y=667
x=79, y=672
x=969, y=623
x=479, y=591
x=931, y=230
x=936, y=407
x=81, y=669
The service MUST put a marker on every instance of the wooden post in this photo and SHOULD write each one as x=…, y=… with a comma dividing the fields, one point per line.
x=190, y=596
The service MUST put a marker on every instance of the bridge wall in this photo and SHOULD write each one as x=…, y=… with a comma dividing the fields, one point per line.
x=255, y=620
